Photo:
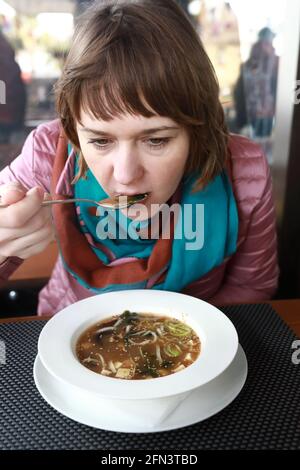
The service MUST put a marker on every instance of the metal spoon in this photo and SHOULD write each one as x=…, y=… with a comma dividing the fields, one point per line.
x=117, y=202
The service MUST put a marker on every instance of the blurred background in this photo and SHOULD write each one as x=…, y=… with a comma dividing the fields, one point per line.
x=254, y=47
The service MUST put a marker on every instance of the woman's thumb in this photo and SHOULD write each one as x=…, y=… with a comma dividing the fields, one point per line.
x=12, y=192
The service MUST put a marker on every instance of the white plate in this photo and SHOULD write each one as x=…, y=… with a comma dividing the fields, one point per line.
x=57, y=343
x=202, y=403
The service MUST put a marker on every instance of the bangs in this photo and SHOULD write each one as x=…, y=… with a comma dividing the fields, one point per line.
x=134, y=80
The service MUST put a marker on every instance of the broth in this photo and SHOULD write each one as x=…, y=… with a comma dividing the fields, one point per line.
x=138, y=346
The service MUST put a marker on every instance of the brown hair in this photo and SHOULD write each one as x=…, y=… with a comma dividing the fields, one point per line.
x=127, y=56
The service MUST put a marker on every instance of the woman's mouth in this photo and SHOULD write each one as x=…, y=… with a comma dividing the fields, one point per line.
x=132, y=194
x=132, y=198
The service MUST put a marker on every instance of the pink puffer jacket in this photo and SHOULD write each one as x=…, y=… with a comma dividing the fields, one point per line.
x=251, y=274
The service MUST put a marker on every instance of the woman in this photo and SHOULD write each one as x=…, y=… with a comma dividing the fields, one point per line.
x=139, y=113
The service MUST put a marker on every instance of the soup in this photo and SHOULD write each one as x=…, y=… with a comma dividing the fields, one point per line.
x=138, y=346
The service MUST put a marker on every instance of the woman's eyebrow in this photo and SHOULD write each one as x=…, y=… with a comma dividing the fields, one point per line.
x=144, y=132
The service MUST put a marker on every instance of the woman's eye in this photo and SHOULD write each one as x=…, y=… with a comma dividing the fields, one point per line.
x=99, y=143
x=158, y=142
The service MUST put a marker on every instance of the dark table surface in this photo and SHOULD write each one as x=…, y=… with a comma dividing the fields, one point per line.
x=265, y=415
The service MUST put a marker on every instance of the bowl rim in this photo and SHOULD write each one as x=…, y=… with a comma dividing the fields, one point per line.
x=217, y=333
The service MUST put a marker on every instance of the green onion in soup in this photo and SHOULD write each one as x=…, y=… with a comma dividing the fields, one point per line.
x=137, y=346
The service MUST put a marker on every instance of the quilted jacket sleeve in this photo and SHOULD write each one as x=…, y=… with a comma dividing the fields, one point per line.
x=31, y=168
x=252, y=272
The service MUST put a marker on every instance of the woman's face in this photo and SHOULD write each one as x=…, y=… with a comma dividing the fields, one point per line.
x=135, y=155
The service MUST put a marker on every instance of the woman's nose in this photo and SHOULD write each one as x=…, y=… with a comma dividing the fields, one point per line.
x=127, y=167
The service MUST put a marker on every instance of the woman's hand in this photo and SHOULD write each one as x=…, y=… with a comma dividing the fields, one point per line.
x=26, y=226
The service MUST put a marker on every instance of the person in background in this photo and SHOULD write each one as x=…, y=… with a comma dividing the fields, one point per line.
x=12, y=110
x=139, y=113
x=255, y=91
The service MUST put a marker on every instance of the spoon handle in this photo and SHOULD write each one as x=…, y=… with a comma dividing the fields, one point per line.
x=106, y=205
x=110, y=204
x=48, y=202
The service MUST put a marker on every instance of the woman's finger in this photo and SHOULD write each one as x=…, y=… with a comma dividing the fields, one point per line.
x=16, y=246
